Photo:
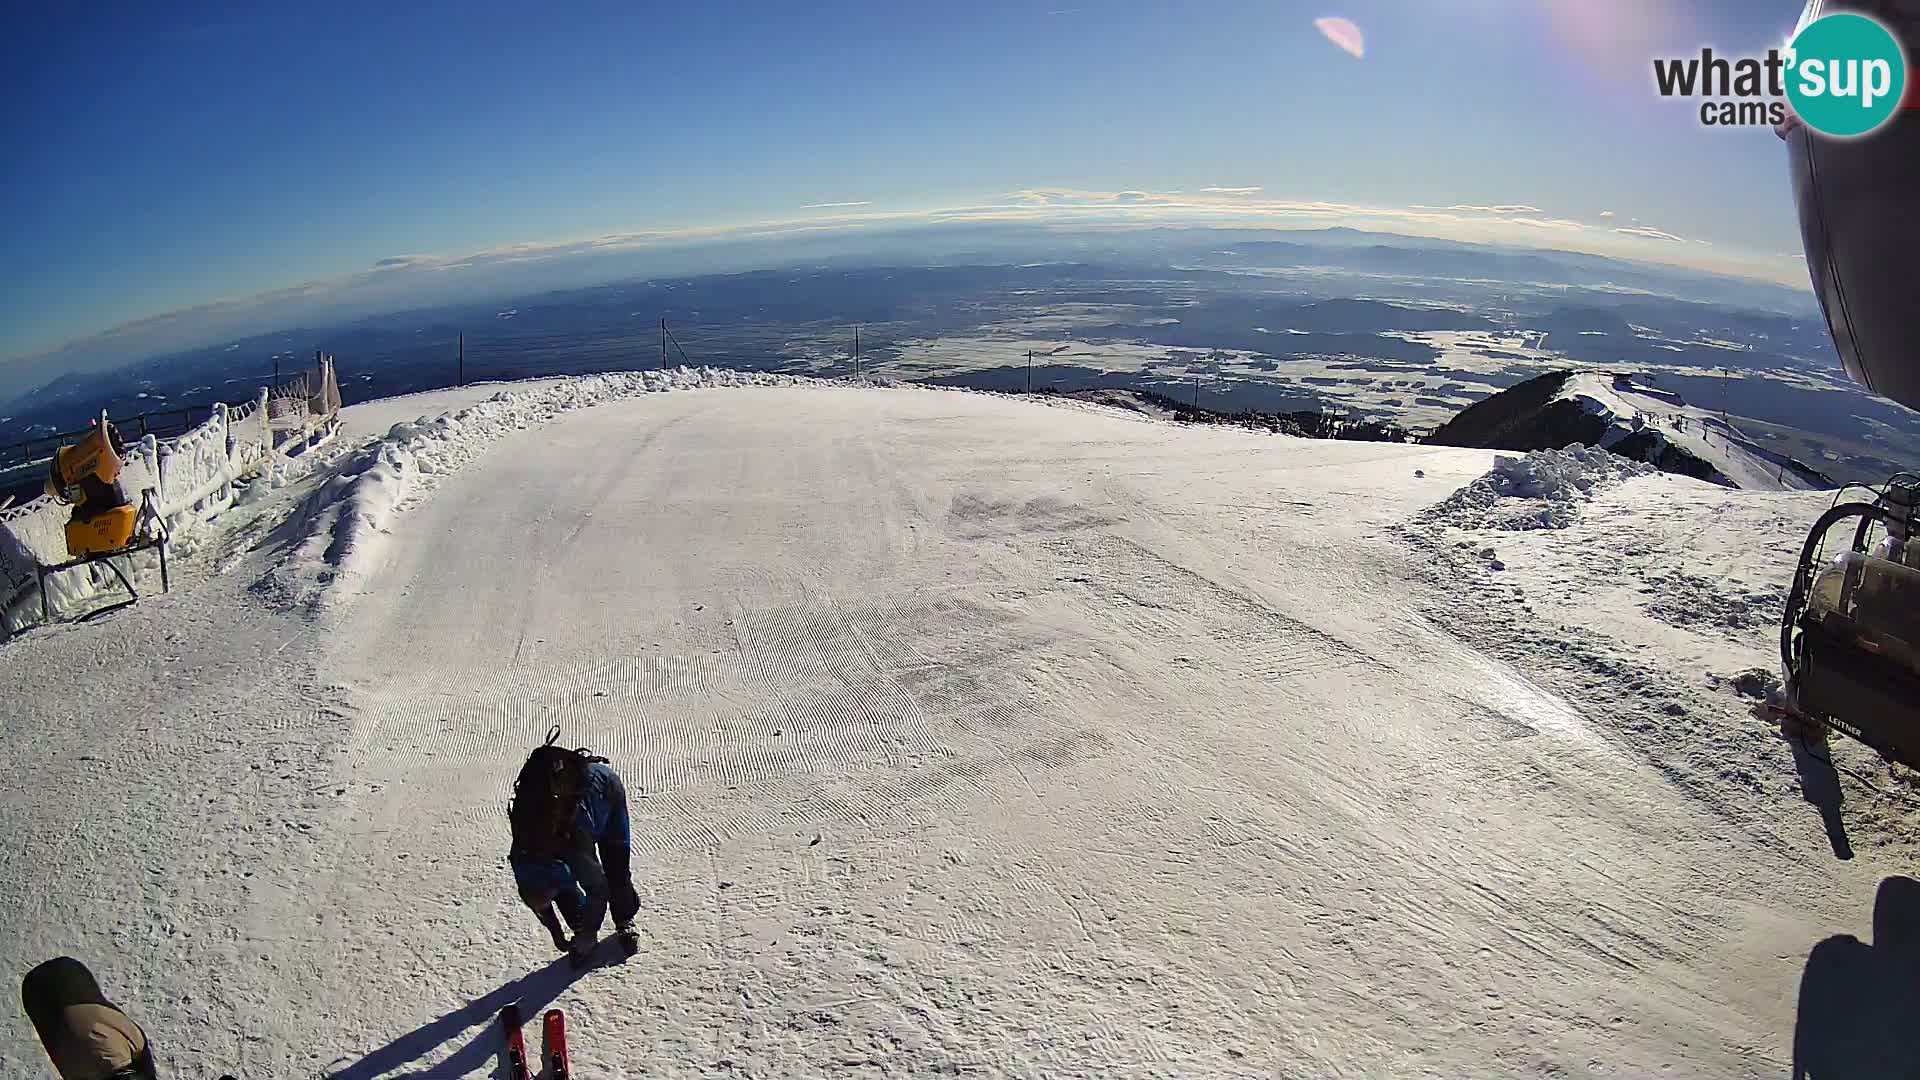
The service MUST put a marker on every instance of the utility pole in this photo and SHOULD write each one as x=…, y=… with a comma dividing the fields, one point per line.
x=1196, y=392
x=276, y=373
x=462, y=362
x=663, y=343
x=857, y=369
x=1029, y=371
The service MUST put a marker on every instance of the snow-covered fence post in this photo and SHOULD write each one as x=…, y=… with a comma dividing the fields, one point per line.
x=150, y=449
x=226, y=440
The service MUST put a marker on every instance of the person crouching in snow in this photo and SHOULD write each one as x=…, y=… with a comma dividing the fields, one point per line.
x=572, y=847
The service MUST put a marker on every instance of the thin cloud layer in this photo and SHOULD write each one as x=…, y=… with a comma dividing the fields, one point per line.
x=835, y=205
x=1651, y=233
x=1232, y=190
x=1506, y=209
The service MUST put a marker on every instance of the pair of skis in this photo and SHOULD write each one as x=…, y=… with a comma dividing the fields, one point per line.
x=554, y=1057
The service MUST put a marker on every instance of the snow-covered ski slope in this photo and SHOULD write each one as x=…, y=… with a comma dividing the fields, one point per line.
x=968, y=735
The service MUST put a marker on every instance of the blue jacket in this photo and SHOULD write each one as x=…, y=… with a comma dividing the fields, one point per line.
x=603, y=809
x=601, y=818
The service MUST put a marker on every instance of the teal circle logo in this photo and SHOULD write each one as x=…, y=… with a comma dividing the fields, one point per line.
x=1846, y=75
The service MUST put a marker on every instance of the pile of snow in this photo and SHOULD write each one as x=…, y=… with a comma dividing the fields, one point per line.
x=1539, y=491
x=344, y=523
x=281, y=472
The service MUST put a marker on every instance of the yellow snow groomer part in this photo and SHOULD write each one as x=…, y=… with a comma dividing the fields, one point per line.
x=87, y=475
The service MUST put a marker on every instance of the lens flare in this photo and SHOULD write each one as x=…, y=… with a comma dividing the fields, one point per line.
x=1343, y=33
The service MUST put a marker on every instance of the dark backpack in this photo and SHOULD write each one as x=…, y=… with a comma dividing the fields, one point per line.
x=545, y=795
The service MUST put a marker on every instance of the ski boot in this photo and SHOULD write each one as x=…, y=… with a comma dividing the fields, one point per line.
x=555, y=930
x=580, y=951
x=628, y=937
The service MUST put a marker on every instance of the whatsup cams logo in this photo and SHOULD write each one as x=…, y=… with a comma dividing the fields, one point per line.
x=1842, y=75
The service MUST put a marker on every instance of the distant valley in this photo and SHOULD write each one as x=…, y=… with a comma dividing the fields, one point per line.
x=1382, y=328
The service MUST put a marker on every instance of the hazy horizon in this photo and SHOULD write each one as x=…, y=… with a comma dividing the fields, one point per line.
x=424, y=282
x=174, y=169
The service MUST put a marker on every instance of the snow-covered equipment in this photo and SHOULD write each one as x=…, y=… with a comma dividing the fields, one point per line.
x=105, y=522
x=1850, y=634
x=86, y=476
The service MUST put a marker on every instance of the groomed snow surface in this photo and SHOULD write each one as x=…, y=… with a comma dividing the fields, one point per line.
x=967, y=735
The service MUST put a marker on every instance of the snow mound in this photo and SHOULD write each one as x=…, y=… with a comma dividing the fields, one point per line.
x=342, y=526
x=1539, y=491
x=283, y=472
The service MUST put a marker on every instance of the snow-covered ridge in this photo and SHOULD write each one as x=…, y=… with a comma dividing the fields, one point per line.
x=343, y=524
x=1615, y=412
x=1651, y=424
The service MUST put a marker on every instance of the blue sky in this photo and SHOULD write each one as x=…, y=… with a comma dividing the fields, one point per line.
x=159, y=160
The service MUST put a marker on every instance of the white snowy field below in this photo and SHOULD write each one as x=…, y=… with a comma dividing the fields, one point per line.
x=965, y=735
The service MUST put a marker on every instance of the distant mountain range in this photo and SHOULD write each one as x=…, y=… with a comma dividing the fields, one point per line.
x=1407, y=256
x=322, y=309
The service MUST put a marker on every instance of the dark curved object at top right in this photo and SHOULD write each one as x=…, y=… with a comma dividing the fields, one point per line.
x=1859, y=202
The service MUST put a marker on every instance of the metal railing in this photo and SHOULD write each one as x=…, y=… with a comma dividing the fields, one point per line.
x=160, y=423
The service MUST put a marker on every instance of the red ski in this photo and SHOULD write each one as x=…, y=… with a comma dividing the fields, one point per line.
x=516, y=1044
x=556, y=1040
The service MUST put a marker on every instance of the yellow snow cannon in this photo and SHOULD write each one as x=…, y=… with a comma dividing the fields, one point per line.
x=1850, y=635
x=87, y=475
